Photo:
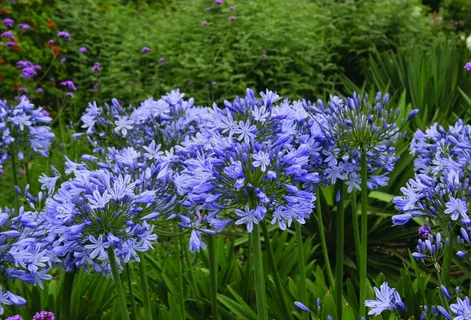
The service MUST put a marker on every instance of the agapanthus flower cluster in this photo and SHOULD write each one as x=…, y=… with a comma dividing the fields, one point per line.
x=108, y=205
x=168, y=121
x=353, y=126
x=28, y=69
x=23, y=253
x=24, y=130
x=244, y=167
x=441, y=185
x=431, y=250
x=387, y=299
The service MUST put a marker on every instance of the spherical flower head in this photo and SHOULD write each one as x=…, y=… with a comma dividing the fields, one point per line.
x=110, y=207
x=467, y=66
x=204, y=23
x=424, y=231
x=232, y=18
x=51, y=43
x=24, y=26
x=69, y=94
x=63, y=59
x=65, y=35
x=232, y=8
x=218, y=2
x=352, y=127
x=96, y=86
x=208, y=9
x=16, y=317
x=162, y=60
x=44, y=315
x=430, y=250
x=96, y=67
x=83, y=49
x=387, y=299
x=8, y=22
x=145, y=50
x=39, y=90
x=249, y=169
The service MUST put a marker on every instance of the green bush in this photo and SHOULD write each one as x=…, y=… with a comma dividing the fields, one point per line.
x=298, y=48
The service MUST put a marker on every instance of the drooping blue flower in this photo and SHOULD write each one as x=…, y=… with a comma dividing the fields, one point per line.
x=386, y=299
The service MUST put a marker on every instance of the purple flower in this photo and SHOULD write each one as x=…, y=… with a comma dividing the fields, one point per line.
x=424, y=231
x=204, y=23
x=24, y=26
x=83, y=49
x=51, y=42
x=96, y=67
x=96, y=85
x=8, y=22
x=208, y=9
x=39, y=90
x=219, y=2
x=65, y=35
x=162, y=60
x=145, y=49
x=232, y=18
x=16, y=317
x=69, y=94
x=28, y=69
x=467, y=66
x=69, y=85
x=63, y=59
x=232, y=8
x=44, y=315
x=263, y=56
x=8, y=34
x=10, y=44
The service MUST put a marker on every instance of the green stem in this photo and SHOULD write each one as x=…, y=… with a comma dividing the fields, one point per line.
x=325, y=253
x=131, y=294
x=27, y=173
x=275, y=273
x=443, y=299
x=301, y=268
x=213, y=274
x=119, y=286
x=15, y=179
x=340, y=247
x=260, y=293
x=67, y=295
x=356, y=227
x=144, y=286
x=364, y=232
x=180, y=275
x=447, y=259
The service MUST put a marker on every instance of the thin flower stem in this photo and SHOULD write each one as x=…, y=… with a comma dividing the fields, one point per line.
x=213, y=274
x=144, y=286
x=180, y=275
x=27, y=173
x=131, y=294
x=260, y=293
x=340, y=247
x=275, y=273
x=67, y=294
x=325, y=252
x=15, y=179
x=364, y=232
x=356, y=227
x=447, y=258
x=301, y=267
x=118, y=285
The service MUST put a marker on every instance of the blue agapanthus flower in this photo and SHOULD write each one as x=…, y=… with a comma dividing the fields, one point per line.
x=24, y=255
x=353, y=126
x=441, y=187
x=24, y=130
x=108, y=204
x=168, y=121
x=244, y=167
x=387, y=299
